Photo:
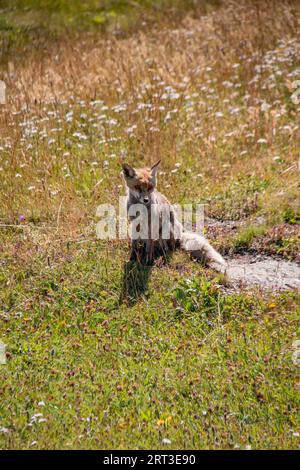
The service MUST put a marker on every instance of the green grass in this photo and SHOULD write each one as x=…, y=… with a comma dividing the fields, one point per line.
x=245, y=237
x=25, y=21
x=185, y=362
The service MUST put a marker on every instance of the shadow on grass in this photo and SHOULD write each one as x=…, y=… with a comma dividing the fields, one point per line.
x=135, y=281
x=137, y=272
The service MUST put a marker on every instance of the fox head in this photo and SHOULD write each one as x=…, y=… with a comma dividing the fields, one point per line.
x=140, y=182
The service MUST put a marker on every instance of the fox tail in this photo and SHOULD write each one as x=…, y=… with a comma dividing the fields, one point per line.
x=200, y=249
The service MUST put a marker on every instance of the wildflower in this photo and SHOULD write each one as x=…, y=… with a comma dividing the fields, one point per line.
x=265, y=106
x=166, y=441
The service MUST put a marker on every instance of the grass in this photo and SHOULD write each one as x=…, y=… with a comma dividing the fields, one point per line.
x=115, y=356
x=244, y=239
x=188, y=363
x=34, y=21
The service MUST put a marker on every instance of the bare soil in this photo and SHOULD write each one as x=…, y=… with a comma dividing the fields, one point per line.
x=266, y=272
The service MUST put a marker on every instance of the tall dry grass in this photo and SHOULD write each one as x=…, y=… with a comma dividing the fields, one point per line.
x=211, y=98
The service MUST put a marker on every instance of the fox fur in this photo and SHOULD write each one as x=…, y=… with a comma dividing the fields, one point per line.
x=141, y=189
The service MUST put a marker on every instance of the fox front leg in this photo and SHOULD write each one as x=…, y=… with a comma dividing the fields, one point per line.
x=149, y=251
x=134, y=250
x=138, y=251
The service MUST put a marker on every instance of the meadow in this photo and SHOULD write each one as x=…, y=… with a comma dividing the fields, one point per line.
x=103, y=354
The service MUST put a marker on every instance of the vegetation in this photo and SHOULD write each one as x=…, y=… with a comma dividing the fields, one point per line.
x=102, y=353
x=27, y=21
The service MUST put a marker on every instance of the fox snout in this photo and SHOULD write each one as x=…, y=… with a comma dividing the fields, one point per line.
x=143, y=198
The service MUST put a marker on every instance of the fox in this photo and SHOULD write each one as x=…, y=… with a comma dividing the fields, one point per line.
x=156, y=212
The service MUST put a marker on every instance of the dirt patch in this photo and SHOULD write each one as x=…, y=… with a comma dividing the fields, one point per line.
x=266, y=272
x=217, y=229
x=262, y=263
x=283, y=240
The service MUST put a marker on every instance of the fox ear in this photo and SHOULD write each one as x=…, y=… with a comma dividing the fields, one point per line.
x=128, y=171
x=154, y=169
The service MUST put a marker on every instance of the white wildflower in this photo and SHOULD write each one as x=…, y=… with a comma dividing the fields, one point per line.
x=166, y=441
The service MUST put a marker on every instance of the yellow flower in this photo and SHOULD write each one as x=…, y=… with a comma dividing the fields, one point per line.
x=161, y=421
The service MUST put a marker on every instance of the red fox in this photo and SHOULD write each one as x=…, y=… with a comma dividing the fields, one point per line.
x=158, y=230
